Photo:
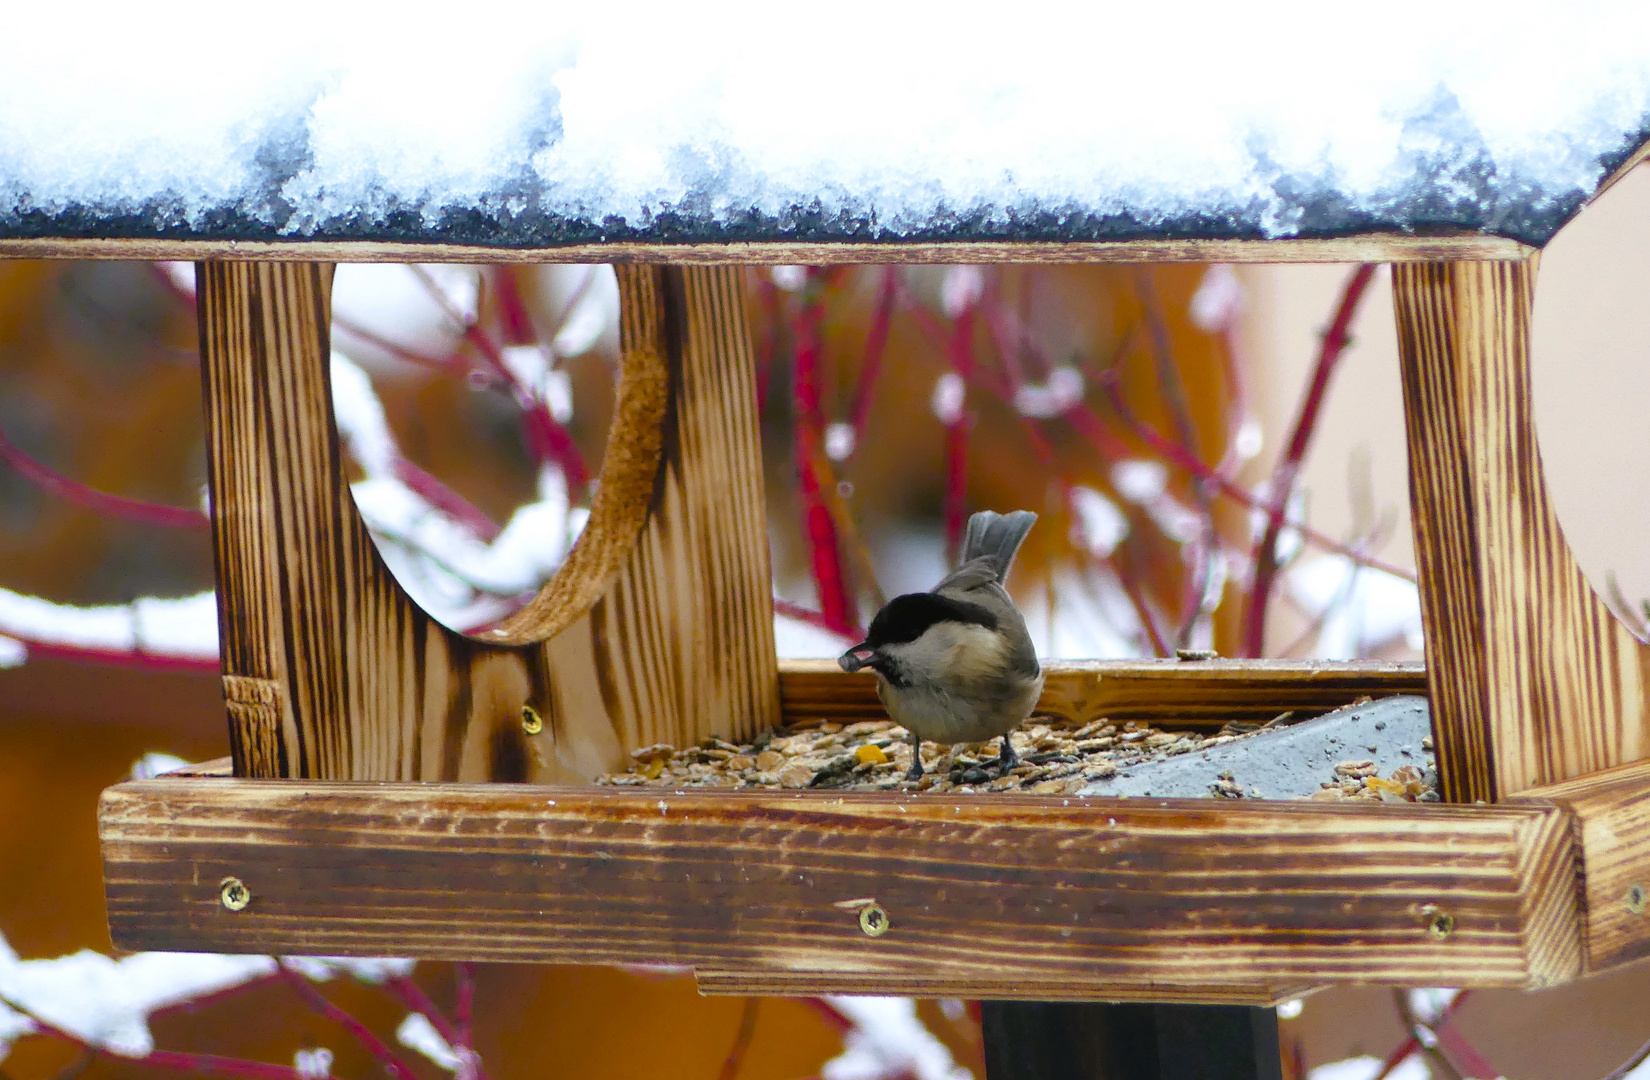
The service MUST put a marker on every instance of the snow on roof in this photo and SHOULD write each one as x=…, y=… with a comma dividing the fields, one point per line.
x=529, y=124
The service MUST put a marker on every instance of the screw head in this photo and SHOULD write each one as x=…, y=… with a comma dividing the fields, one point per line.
x=233, y=894
x=1440, y=923
x=873, y=920
x=531, y=722
x=1636, y=898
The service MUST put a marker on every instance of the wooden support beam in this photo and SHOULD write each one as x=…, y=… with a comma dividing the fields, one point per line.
x=1203, y=693
x=1611, y=811
x=659, y=627
x=1367, y=247
x=1062, y=897
x=1533, y=680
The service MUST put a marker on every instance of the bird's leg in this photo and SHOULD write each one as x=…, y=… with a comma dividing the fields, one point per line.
x=916, y=758
x=1006, y=757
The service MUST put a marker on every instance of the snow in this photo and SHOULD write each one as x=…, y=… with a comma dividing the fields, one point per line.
x=888, y=1040
x=1362, y=608
x=313, y=1064
x=1367, y=1068
x=177, y=627
x=107, y=1002
x=522, y=123
x=949, y=397
x=416, y=1033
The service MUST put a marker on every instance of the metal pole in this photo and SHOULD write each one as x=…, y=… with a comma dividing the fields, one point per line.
x=1051, y=1040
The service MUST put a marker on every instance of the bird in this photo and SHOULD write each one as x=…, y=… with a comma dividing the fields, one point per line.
x=956, y=663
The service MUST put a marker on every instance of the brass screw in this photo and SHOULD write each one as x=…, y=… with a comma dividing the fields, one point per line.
x=234, y=894
x=1635, y=899
x=1440, y=923
x=531, y=722
x=873, y=920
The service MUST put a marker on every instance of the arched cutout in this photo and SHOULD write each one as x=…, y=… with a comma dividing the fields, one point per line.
x=661, y=629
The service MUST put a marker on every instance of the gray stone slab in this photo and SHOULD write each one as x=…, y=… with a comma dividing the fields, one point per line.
x=1292, y=761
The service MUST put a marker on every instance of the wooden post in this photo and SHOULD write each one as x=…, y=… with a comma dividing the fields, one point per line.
x=659, y=628
x=1533, y=680
x=1045, y=1040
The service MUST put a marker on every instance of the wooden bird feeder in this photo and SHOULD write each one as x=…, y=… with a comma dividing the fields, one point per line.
x=401, y=789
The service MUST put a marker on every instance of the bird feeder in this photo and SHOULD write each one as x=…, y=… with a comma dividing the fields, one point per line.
x=399, y=788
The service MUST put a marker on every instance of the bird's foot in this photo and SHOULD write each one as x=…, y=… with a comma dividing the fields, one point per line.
x=916, y=771
x=1007, y=759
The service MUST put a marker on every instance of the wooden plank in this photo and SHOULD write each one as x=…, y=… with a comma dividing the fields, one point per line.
x=1193, y=694
x=977, y=893
x=1012, y=987
x=659, y=628
x=1612, y=822
x=1533, y=679
x=1368, y=247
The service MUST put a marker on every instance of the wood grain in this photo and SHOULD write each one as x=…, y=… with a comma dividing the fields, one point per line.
x=1011, y=987
x=1368, y=247
x=1533, y=680
x=1204, y=693
x=659, y=630
x=1101, y=897
x=1611, y=810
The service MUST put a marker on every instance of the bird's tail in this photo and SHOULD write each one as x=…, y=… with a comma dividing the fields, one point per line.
x=996, y=537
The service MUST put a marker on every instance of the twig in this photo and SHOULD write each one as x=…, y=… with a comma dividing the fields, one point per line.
x=446, y=500
x=818, y=526
x=741, y=1040
x=373, y=1045
x=464, y=974
x=956, y=435
x=847, y=530
x=411, y=995
x=210, y=1064
x=1413, y=1042
x=55, y=483
x=831, y=1014
x=515, y=320
x=876, y=341
x=1183, y=459
x=129, y=658
x=1264, y=558
x=546, y=438
x=812, y=618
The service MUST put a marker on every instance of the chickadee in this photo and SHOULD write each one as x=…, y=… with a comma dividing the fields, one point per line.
x=956, y=664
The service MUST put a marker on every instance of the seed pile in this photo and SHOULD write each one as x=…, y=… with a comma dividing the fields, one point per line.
x=1055, y=759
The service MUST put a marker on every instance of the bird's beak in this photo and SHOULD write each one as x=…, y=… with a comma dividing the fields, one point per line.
x=856, y=657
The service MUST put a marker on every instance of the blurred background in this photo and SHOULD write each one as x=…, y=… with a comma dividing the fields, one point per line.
x=1152, y=416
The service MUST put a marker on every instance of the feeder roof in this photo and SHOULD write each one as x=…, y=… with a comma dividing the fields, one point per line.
x=522, y=125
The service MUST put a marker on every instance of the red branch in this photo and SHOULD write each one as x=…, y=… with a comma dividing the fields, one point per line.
x=1265, y=555
x=446, y=500
x=131, y=658
x=961, y=345
x=55, y=483
x=516, y=322
x=824, y=546
x=1413, y=1042
x=1182, y=458
x=411, y=995
x=209, y=1064
x=813, y=618
x=464, y=974
x=547, y=440
x=876, y=341
x=373, y=1045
